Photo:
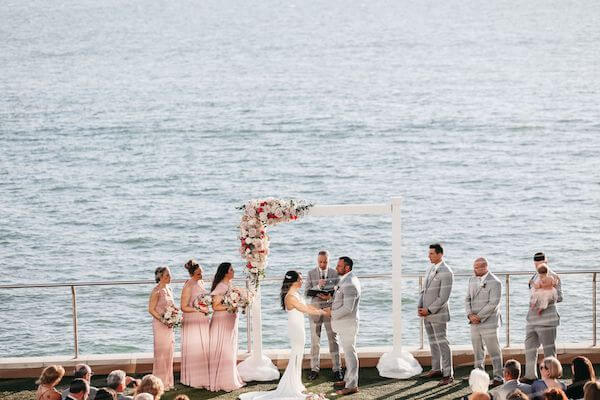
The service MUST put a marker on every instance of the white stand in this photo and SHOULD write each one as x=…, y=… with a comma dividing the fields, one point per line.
x=257, y=367
x=397, y=363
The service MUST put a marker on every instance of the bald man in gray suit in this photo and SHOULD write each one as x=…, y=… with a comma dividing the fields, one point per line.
x=433, y=308
x=482, y=305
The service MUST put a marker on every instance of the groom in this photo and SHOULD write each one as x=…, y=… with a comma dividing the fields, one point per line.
x=344, y=321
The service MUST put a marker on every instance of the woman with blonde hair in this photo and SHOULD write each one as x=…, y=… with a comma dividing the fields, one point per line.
x=47, y=382
x=550, y=370
x=591, y=391
x=164, y=339
x=151, y=384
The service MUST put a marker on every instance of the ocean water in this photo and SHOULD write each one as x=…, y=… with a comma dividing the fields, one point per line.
x=131, y=130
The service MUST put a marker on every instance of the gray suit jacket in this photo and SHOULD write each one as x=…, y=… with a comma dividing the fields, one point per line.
x=502, y=392
x=91, y=396
x=312, y=282
x=484, y=300
x=549, y=316
x=436, y=293
x=344, y=310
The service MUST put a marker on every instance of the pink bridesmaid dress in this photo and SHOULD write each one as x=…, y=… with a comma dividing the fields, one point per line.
x=195, y=342
x=223, y=348
x=164, y=341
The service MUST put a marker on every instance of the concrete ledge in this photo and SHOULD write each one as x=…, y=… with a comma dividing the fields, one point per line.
x=141, y=363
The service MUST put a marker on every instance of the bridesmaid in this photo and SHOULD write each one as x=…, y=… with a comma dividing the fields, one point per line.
x=195, y=339
x=223, y=336
x=164, y=339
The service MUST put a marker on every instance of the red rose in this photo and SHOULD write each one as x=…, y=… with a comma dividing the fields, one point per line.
x=259, y=210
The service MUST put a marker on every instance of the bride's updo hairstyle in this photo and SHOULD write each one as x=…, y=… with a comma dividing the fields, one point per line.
x=191, y=266
x=289, y=279
x=222, y=270
x=158, y=273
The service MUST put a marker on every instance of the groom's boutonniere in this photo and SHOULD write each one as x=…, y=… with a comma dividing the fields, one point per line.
x=335, y=288
x=483, y=286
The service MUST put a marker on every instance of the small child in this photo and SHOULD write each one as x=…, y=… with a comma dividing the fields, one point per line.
x=543, y=289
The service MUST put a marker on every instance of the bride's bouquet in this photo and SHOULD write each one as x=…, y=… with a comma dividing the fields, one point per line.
x=172, y=317
x=237, y=299
x=203, y=303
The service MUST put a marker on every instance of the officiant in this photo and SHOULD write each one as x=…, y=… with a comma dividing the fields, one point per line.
x=320, y=282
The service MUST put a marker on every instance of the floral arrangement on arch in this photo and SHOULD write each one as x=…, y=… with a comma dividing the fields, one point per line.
x=258, y=214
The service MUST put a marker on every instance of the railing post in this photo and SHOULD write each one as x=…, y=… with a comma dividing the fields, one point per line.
x=507, y=310
x=74, y=306
x=594, y=309
x=421, y=320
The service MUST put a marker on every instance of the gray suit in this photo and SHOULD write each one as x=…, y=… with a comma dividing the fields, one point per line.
x=91, y=396
x=483, y=299
x=344, y=321
x=317, y=321
x=502, y=392
x=434, y=297
x=541, y=329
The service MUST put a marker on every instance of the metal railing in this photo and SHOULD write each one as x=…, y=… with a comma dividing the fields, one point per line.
x=419, y=277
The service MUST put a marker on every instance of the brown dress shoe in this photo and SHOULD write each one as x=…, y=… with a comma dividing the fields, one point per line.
x=346, y=391
x=433, y=374
x=339, y=384
x=446, y=381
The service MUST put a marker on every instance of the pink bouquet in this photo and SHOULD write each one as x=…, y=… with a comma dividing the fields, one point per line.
x=203, y=303
x=237, y=299
x=172, y=317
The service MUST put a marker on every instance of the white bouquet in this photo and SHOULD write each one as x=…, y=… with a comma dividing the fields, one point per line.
x=172, y=317
x=203, y=303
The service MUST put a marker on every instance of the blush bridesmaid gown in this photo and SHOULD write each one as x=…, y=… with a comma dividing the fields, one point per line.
x=164, y=341
x=223, y=348
x=195, y=342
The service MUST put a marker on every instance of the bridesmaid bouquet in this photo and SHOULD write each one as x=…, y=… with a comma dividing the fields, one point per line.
x=237, y=298
x=172, y=317
x=203, y=303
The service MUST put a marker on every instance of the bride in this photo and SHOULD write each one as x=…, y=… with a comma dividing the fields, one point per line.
x=290, y=386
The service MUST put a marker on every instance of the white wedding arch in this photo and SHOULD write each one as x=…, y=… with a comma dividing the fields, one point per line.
x=397, y=363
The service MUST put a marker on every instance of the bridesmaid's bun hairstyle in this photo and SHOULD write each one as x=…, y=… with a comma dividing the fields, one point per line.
x=191, y=266
x=289, y=279
x=158, y=273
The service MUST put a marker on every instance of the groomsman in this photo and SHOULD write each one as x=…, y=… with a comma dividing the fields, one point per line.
x=540, y=327
x=433, y=307
x=482, y=305
x=324, y=278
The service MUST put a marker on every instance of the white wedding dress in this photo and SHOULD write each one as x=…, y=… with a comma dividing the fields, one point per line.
x=290, y=385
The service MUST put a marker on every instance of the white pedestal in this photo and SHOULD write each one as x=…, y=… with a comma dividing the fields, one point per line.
x=398, y=365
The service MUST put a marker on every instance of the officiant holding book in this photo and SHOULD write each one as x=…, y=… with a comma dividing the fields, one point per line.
x=319, y=287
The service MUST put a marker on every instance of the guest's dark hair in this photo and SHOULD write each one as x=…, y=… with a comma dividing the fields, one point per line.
x=513, y=367
x=191, y=266
x=583, y=370
x=158, y=273
x=79, y=385
x=288, y=280
x=347, y=261
x=517, y=395
x=106, y=394
x=437, y=247
x=539, y=256
x=555, y=394
x=222, y=270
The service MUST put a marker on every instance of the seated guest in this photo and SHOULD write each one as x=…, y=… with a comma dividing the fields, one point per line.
x=47, y=382
x=550, y=370
x=517, y=395
x=479, y=396
x=181, y=397
x=583, y=372
x=591, y=391
x=143, y=396
x=151, y=384
x=106, y=394
x=79, y=389
x=555, y=394
x=84, y=372
x=479, y=381
x=118, y=381
x=511, y=374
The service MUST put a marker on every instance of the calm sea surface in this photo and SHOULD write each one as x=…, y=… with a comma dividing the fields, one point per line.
x=130, y=131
